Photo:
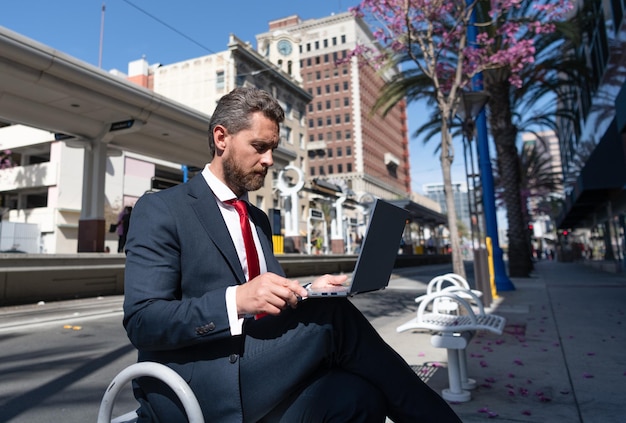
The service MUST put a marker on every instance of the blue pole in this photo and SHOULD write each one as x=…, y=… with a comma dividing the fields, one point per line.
x=185, y=170
x=502, y=281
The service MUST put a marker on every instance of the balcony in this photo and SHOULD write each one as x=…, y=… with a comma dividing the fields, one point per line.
x=31, y=176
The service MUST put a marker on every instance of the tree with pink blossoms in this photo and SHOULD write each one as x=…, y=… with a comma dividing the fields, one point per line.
x=429, y=39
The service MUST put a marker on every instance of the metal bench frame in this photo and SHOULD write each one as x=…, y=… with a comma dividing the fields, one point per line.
x=149, y=369
x=454, y=332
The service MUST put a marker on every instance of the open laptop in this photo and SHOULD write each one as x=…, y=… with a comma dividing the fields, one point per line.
x=378, y=253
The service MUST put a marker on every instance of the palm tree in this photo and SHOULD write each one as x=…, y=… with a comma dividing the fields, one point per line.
x=508, y=106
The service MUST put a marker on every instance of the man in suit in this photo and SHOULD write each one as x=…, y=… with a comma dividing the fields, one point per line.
x=249, y=348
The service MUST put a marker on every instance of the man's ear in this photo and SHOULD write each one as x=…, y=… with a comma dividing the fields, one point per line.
x=219, y=136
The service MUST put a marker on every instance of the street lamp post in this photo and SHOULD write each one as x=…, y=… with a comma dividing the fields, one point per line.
x=472, y=103
x=501, y=279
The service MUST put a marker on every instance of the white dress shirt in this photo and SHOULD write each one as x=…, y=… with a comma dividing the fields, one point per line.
x=231, y=217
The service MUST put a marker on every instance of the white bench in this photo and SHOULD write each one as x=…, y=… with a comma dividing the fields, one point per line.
x=454, y=331
x=438, y=283
x=150, y=369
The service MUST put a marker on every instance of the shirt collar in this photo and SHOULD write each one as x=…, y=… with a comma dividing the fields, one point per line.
x=219, y=188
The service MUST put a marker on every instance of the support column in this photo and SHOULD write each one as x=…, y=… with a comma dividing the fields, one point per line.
x=91, y=225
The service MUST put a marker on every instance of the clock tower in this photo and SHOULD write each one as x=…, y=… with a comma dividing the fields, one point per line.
x=282, y=49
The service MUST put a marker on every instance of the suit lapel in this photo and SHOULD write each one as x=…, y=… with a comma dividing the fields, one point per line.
x=205, y=206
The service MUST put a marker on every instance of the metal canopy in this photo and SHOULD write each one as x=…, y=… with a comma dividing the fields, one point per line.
x=44, y=88
x=420, y=214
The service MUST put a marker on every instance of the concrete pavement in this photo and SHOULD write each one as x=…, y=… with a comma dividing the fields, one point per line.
x=561, y=358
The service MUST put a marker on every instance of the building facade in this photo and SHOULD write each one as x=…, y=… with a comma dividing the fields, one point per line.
x=593, y=148
x=352, y=154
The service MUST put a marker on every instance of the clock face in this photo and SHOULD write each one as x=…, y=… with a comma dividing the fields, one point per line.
x=284, y=47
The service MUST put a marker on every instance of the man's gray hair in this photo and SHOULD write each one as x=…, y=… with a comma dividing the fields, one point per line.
x=234, y=109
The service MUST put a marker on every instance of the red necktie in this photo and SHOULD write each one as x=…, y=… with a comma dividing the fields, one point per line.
x=251, y=254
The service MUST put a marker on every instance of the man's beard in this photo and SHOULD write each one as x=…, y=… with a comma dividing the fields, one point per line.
x=239, y=180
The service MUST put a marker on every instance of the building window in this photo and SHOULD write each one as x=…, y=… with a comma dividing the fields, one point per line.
x=338, y=136
x=337, y=119
x=287, y=134
x=334, y=41
x=327, y=104
x=336, y=88
x=312, y=171
x=330, y=152
x=327, y=89
x=317, y=45
x=339, y=151
x=319, y=106
x=320, y=137
x=349, y=167
x=320, y=122
x=339, y=168
x=348, y=148
x=346, y=101
x=325, y=43
x=311, y=137
x=347, y=118
x=329, y=120
x=310, y=107
x=311, y=123
x=346, y=85
x=318, y=90
x=219, y=77
x=330, y=169
x=343, y=39
x=321, y=168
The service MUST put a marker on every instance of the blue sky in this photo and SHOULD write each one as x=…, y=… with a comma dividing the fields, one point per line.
x=171, y=31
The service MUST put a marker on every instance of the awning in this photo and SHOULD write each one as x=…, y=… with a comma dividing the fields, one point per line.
x=602, y=180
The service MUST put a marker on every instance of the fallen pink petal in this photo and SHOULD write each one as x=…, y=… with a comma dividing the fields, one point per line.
x=492, y=414
x=518, y=362
x=587, y=375
x=526, y=412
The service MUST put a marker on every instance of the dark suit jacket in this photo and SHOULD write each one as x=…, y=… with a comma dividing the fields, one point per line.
x=180, y=260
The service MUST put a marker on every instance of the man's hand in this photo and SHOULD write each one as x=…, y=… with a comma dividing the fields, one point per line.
x=268, y=293
x=329, y=281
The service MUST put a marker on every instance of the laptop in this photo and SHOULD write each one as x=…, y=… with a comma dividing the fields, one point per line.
x=378, y=253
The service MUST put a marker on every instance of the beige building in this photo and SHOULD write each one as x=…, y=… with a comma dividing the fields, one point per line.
x=200, y=82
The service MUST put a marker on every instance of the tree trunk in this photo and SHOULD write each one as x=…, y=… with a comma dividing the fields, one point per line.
x=504, y=133
x=447, y=157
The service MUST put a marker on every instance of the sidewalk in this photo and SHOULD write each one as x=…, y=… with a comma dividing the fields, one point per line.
x=562, y=357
